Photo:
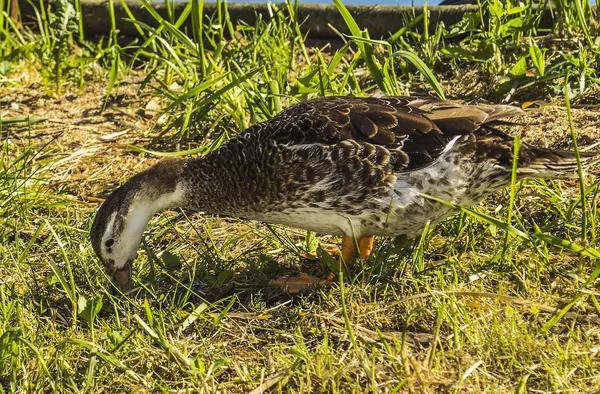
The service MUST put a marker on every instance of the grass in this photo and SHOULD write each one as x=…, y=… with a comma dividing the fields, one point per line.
x=500, y=298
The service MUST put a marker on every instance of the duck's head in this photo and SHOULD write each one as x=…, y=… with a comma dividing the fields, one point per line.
x=117, y=230
x=113, y=237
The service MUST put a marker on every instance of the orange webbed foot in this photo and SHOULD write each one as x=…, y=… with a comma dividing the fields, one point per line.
x=351, y=250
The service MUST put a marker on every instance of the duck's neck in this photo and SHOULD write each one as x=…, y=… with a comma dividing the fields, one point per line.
x=144, y=207
x=201, y=184
x=160, y=187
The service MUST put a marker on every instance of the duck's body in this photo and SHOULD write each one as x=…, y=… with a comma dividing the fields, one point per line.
x=322, y=165
x=354, y=167
x=379, y=202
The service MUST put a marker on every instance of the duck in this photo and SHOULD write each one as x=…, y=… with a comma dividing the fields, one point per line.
x=354, y=167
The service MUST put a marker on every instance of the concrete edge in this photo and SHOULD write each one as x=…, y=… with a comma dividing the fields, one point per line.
x=381, y=21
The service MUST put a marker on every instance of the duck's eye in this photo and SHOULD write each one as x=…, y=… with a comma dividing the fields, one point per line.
x=109, y=243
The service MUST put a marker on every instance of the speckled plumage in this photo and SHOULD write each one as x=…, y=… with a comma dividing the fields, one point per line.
x=342, y=166
x=355, y=166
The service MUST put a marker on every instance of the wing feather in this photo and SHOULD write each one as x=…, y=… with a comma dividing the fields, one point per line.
x=414, y=131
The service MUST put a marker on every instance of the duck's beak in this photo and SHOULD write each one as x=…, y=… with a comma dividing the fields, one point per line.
x=122, y=278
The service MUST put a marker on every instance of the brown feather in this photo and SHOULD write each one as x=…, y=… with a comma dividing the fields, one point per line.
x=363, y=125
x=421, y=127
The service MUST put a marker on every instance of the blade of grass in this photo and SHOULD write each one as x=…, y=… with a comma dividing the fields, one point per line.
x=365, y=48
x=131, y=18
x=196, y=91
x=513, y=182
x=182, y=39
x=583, y=23
x=424, y=70
x=197, y=29
x=67, y=284
x=202, y=149
x=587, y=251
x=578, y=158
x=39, y=358
x=109, y=359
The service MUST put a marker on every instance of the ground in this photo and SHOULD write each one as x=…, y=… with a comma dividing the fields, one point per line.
x=465, y=309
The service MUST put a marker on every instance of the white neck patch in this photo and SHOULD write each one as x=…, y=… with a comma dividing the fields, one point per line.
x=141, y=210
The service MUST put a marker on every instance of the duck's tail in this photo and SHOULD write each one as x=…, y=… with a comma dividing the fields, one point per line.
x=535, y=162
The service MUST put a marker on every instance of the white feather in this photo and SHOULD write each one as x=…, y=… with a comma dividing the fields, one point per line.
x=138, y=215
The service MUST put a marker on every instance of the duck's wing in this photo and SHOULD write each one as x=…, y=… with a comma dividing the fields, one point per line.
x=415, y=131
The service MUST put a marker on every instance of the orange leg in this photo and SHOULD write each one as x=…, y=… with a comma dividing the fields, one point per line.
x=365, y=245
x=349, y=251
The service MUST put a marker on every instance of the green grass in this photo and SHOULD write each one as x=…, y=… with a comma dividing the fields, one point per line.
x=500, y=298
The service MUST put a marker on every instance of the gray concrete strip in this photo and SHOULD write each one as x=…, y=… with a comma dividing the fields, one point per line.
x=381, y=21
